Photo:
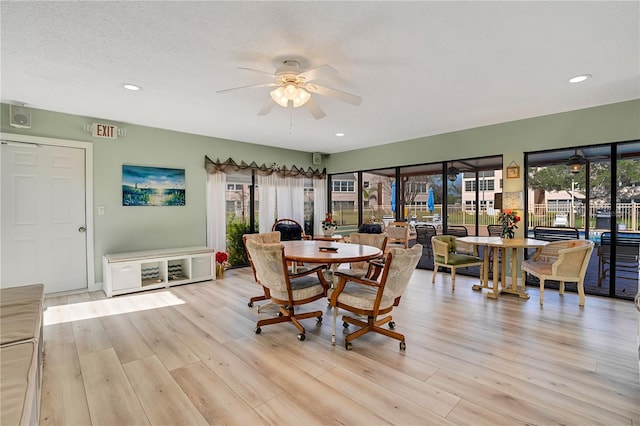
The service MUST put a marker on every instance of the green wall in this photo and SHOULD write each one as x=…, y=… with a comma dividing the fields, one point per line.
x=609, y=123
x=124, y=229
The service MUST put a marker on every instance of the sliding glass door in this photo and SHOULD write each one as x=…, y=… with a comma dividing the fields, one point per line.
x=596, y=190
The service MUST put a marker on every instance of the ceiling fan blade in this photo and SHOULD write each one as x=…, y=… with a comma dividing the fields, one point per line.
x=247, y=87
x=313, y=73
x=267, y=107
x=334, y=93
x=314, y=109
x=255, y=70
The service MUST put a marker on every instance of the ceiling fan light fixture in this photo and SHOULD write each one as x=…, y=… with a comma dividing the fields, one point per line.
x=290, y=92
x=279, y=96
x=302, y=96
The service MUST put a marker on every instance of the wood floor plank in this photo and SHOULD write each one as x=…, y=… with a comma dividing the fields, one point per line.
x=166, y=346
x=386, y=403
x=284, y=408
x=125, y=338
x=90, y=335
x=213, y=397
x=162, y=399
x=466, y=413
x=110, y=395
x=64, y=401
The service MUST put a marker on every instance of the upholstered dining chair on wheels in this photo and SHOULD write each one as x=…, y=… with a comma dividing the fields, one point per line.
x=264, y=238
x=285, y=289
x=290, y=230
x=445, y=255
x=398, y=234
x=372, y=298
x=365, y=269
x=566, y=264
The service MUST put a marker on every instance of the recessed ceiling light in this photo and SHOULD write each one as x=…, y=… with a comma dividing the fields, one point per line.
x=580, y=78
x=129, y=86
x=339, y=134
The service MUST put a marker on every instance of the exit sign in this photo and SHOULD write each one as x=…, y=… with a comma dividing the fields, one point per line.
x=106, y=131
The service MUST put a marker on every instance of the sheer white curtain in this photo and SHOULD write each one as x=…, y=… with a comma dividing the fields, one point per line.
x=319, y=204
x=216, y=211
x=267, y=199
x=280, y=198
x=290, y=195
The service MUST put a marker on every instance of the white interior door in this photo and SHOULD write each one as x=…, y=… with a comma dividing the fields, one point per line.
x=44, y=238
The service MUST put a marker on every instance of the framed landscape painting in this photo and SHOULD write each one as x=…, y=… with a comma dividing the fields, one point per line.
x=152, y=186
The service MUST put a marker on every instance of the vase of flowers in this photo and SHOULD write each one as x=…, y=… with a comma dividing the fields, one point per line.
x=222, y=262
x=328, y=225
x=508, y=220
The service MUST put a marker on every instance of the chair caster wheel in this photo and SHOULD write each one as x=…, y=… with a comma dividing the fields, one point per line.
x=403, y=346
x=280, y=314
x=348, y=346
x=392, y=325
x=258, y=330
x=250, y=304
x=301, y=337
x=319, y=319
x=345, y=324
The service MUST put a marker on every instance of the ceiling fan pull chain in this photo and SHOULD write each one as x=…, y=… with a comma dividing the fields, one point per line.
x=290, y=121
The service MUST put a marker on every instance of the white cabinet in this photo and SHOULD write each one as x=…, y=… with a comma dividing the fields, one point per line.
x=145, y=270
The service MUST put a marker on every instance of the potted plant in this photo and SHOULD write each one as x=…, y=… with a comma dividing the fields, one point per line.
x=328, y=225
x=222, y=262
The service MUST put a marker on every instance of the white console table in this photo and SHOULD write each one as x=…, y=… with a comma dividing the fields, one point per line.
x=151, y=269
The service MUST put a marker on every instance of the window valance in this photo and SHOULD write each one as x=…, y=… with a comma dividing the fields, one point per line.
x=282, y=171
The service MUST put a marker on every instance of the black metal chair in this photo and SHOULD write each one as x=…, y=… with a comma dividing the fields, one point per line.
x=424, y=233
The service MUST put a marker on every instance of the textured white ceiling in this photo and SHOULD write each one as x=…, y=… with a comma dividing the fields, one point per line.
x=422, y=68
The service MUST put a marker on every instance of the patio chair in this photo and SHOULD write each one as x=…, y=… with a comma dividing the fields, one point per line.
x=561, y=220
x=570, y=265
x=445, y=255
x=424, y=233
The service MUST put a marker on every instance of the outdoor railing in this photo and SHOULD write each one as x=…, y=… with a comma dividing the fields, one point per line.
x=627, y=215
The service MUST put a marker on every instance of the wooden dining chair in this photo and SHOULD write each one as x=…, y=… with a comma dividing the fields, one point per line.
x=364, y=269
x=264, y=238
x=445, y=255
x=398, y=234
x=372, y=298
x=566, y=264
x=285, y=289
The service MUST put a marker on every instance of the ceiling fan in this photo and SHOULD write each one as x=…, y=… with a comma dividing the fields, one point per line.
x=295, y=87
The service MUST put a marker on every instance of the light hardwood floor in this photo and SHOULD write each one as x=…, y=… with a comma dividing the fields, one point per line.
x=188, y=355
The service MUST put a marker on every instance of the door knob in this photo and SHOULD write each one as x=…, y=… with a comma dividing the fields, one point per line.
x=82, y=229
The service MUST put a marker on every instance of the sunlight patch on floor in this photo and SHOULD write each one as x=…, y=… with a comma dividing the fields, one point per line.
x=113, y=306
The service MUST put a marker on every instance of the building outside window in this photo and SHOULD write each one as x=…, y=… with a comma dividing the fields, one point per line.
x=343, y=186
